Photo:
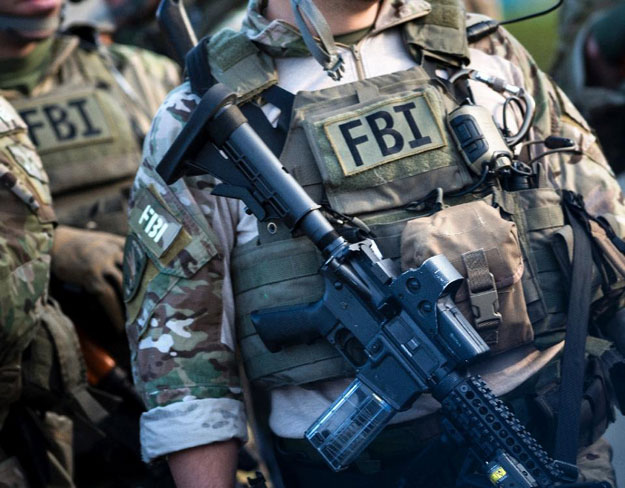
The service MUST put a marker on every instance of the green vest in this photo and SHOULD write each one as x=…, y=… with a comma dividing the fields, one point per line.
x=369, y=149
x=85, y=131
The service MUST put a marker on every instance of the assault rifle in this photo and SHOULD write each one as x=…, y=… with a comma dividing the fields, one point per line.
x=401, y=331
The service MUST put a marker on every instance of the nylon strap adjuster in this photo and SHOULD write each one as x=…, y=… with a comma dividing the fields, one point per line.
x=482, y=293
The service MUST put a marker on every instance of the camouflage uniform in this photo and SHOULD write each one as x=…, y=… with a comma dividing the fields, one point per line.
x=26, y=232
x=604, y=108
x=486, y=7
x=179, y=290
x=87, y=115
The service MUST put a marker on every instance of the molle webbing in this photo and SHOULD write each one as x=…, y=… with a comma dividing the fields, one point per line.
x=55, y=355
x=236, y=62
x=441, y=33
x=283, y=271
x=85, y=137
x=367, y=177
x=538, y=215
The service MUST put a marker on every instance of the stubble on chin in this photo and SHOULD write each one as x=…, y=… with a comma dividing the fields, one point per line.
x=346, y=5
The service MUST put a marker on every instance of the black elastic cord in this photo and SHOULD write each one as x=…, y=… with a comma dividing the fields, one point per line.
x=473, y=187
x=555, y=151
x=532, y=16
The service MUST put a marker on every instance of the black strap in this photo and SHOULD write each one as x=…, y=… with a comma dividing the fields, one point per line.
x=201, y=79
x=198, y=69
x=274, y=138
x=573, y=364
x=284, y=101
x=616, y=240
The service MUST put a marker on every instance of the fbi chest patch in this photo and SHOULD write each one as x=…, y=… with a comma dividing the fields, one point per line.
x=155, y=226
x=387, y=131
x=58, y=122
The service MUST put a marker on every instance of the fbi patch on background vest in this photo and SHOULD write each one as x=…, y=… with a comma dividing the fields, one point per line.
x=386, y=131
x=60, y=121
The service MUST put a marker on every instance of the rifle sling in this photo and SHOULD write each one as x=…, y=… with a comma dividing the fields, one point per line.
x=571, y=387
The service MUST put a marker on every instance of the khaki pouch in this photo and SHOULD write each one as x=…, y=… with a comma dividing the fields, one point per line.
x=485, y=249
x=612, y=262
x=612, y=255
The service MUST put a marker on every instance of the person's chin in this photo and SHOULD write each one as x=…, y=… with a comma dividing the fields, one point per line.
x=36, y=35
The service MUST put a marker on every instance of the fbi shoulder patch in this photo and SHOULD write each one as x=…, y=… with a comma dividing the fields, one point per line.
x=153, y=224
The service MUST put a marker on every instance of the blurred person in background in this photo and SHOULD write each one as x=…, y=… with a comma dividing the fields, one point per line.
x=136, y=24
x=26, y=313
x=591, y=69
x=87, y=108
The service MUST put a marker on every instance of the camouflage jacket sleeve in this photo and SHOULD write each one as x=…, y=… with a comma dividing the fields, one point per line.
x=588, y=174
x=179, y=301
x=26, y=226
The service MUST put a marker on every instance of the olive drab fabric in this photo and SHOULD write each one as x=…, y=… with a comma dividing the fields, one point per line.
x=366, y=148
x=87, y=117
x=341, y=147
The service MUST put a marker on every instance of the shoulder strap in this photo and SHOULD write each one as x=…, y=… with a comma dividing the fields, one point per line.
x=441, y=34
x=578, y=314
x=201, y=79
x=198, y=69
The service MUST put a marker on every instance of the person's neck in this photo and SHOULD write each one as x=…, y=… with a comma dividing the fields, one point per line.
x=11, y=48
x=342, y=17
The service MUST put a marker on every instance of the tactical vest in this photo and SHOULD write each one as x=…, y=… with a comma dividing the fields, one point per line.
x=87, y=135
x=369, y=149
